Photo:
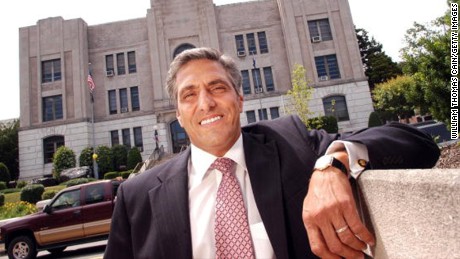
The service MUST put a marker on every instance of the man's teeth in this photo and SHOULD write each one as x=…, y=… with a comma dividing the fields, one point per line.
x=204, y=122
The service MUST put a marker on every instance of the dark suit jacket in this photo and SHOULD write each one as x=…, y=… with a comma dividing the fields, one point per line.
x=151, y=217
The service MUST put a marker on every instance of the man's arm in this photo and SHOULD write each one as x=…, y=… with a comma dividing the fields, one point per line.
x=329, y=212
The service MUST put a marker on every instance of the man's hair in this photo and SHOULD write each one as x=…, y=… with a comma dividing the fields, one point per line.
x=202, y=53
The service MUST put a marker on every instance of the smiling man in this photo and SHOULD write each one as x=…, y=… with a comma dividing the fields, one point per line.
x=272, y=189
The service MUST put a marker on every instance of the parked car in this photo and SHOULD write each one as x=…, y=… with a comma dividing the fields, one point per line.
x=76, y=172
x=77, y=214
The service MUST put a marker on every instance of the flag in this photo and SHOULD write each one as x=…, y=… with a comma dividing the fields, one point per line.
x=91, y=84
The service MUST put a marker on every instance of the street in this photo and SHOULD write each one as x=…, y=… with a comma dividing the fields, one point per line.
x=93, y=250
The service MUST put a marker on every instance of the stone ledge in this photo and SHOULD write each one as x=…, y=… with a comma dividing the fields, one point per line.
x=413, y=213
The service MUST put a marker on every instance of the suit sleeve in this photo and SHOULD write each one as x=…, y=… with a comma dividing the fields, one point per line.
x=119, y=244
x=397, y=146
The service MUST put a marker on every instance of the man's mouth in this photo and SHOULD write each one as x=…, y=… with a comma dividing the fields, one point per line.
x=210, y=120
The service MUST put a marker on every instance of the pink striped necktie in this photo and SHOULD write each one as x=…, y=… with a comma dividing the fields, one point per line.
x=233, y=238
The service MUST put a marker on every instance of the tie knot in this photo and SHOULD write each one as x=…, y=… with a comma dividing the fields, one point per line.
x=223, y=164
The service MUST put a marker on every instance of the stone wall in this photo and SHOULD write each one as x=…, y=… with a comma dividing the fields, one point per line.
x=413, y=213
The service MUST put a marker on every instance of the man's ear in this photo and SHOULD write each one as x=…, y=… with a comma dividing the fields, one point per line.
x=240, y=102
x=178, y=118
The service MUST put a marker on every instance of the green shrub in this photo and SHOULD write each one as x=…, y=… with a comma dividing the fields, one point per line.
x=111, y=175
x=2, y=199
x=11, y=190
x=17, y=209
x=374, y=120
x=134, y=157
x=48, y=194
x=104, y=160
x=4, y=173
x=125, y=174
x=120, y=156
x=63, y=158
x=328, y=123
x=86, y=157
x=2, y=186
x=78, y=181
x=20, y=184
x=32, y=193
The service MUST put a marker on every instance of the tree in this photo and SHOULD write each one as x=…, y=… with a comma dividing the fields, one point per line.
x=63, y=158
x=378, y=66
x=393, y=96
x=300, y=95
x=134, y=157
x=104, y=160
x=4, y=173
x=86, y=157
x=9, y=151
x=120, y=156
x=426, y=57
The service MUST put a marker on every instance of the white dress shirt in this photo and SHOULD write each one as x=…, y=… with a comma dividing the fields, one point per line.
x=203, y=184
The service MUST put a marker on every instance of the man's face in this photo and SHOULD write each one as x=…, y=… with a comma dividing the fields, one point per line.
x=208, y=107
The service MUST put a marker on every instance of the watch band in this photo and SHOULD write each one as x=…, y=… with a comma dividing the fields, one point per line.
x=326, y=161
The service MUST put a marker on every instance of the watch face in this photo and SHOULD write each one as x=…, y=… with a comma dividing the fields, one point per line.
x=323, y=162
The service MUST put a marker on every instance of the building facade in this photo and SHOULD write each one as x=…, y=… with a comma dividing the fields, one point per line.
x=129, y=60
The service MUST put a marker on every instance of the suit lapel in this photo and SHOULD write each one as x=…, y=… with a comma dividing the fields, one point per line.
x=170, y=210
x=264, y=172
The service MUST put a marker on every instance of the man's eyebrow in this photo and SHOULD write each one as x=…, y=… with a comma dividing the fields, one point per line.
x=186, y=88
x=218, y=81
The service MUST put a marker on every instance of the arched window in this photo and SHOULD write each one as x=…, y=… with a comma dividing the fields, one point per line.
x=50, y=145
x=336, y=106
x=182, y=47
x=180, y=139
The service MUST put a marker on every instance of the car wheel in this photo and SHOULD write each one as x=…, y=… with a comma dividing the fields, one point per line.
x=22, y=247
x=57, y=250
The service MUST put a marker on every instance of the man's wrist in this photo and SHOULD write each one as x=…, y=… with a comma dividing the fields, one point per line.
x=338, y=160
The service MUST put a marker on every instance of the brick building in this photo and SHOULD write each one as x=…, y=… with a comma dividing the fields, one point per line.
x=129, y=61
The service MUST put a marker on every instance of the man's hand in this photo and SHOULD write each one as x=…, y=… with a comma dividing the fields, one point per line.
x=330, y=216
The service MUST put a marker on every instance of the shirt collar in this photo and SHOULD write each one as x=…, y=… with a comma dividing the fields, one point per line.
x=202, y=160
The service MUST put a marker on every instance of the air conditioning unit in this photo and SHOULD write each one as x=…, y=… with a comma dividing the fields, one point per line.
x=124, y=109
x=259, y=90
x=241, y=53
x=109, y=73
x=316, y=39
x=323, y=78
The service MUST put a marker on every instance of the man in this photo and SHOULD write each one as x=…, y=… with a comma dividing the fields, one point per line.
x=290, y=209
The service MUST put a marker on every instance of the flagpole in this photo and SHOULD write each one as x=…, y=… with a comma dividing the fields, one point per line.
x=94, y=156
x=258, y=86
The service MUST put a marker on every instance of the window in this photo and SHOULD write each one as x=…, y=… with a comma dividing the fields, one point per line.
x=112, y=102
x=114, y=137
x=263, y=46
x=67, y=200
x=124, y=100
x=251, y=115
x=336, y=106
x=51, y=70
x=121, y=64
x=179, y=137
x=132, y=62
x=109, y=64
x=135, y=106
x=126, y=137
x=50, y=145
x=239, y=43
x=268, y=75
x=274, y=111
x=320, y=30
x=246, y=82
x=181, y=48
x=263, y=114
x=94, y=193
x=52, y=108
x=138, y=138
x=257, y=80
x=327, y=67
x=251, y=43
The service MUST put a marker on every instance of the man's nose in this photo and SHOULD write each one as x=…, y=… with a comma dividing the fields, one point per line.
x=206, y=100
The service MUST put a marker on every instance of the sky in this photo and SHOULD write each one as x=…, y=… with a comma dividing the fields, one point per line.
x=387, y=21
